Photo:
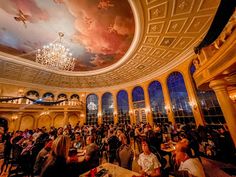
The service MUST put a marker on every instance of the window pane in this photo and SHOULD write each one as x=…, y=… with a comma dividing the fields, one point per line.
x=209, y=104
x=123, y=107
x=157, y=102
x=107, y=108
x=138, y=97
x=92, y=109
x=179, y=98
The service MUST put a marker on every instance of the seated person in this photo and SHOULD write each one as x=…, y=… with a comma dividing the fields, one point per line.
x=183, y=157
x=125, y=154
x=91, y=153
x=148, y=162
x=42, y=156
x=77, y=143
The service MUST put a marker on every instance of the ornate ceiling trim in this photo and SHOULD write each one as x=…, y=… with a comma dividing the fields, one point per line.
x=102, y=89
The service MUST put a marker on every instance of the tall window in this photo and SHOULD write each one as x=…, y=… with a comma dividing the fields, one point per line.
x=139, y=104
x=92, y=109
x=123, y=107
x=179, y=98
x=157, y=102
x=138, y=97
x=209, y=104
x=107, y=108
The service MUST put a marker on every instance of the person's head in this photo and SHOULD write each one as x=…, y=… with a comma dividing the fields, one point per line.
x=89, y=140
x=119, y=132
x=145, y=147
x=123, y=139
x=183, y=151
x=60, y=131
x=77, y=137
x=60, y=146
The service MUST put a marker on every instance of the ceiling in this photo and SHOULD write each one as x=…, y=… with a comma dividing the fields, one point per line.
x=121, y=47
x=28, y=25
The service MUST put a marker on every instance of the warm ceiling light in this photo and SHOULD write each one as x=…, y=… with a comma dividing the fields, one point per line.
x=56, y=56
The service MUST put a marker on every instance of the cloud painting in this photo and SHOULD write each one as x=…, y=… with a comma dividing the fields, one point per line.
x=98, y=32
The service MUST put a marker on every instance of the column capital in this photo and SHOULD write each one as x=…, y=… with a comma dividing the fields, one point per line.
x=220, y=84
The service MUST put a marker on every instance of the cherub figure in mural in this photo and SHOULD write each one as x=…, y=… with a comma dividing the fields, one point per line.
x=21, y=17
x=105, y=4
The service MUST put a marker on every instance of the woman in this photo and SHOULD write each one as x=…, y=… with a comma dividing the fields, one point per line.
x=148, y=162
x=56, y=165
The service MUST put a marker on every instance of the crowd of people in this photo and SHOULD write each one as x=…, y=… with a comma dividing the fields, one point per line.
x=54, y=152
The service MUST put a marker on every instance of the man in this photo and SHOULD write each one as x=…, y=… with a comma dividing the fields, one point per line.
x=91, y=153
x=183, y=158
x=148, y=162
x=113, y=145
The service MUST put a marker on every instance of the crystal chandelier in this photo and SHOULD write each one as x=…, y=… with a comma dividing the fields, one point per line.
x=56, y=56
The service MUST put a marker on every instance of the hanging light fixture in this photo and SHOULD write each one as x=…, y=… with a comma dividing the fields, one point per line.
x=56, y=56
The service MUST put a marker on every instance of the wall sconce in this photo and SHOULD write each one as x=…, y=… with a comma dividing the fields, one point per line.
x=147, y=110
x=82, y=115
x=14, y=117
x=233, y=97
x=115, y=113
x=130, y=112
x=45, y=113
x=167, y=108
x=193, y=105
x=99, y=114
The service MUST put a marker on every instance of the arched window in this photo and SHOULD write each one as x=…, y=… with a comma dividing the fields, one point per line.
x=209, y=104
x=62, y=96
x=123, y=107
x=92, y=109
x=139, y=104
x=157, y=102
x=74, y=97
x=179, y=98
x=32, y=93
x=107, y=108
x=48, y=96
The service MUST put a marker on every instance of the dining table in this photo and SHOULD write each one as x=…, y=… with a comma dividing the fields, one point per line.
x=112, y=170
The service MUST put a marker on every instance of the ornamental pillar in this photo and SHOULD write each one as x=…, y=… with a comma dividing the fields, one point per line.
x=226, y=104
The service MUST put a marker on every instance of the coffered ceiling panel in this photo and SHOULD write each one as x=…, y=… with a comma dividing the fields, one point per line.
x=165, y=31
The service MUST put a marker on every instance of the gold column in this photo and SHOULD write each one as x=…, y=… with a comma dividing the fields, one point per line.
x=193, y=100
x=66, y=119
x=18, y=123
x=99, y=108
x=115, y=111
x=36, y=115
x=226, y=104
x=131, y=109
x=168, y=105
x=147, y=104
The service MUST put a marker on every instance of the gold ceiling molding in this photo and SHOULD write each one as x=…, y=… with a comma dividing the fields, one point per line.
x=166, y=32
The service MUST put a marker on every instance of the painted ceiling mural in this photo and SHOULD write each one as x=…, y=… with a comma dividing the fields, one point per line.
x=98, y=32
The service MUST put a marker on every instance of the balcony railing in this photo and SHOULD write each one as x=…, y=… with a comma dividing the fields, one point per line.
x=30, y=101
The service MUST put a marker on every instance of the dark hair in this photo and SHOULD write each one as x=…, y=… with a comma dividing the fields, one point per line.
x=145, y=140
x=187, y=150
